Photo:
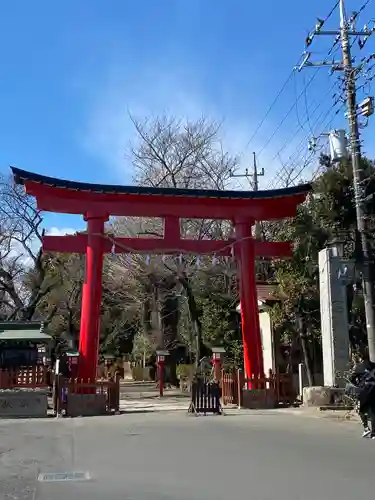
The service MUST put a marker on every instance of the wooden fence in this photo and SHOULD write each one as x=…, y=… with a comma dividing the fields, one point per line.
x=109, y=390
x=280, y=384
x=234, y=383
x=229, y=388
x=33, y=377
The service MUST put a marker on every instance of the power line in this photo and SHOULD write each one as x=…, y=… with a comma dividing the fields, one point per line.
x=290, y=76
x=300, y=126
x=260, y=124
x=278, y=95
x=306, y=107
x=286, y=115
x=290, y=174
x=313, y=153
x=322, y=117
x=320, y=23
x=289, y=168
x=295, y=155
x=332, y=10
x=295, y=95
x=303, y=92
x=333, y=49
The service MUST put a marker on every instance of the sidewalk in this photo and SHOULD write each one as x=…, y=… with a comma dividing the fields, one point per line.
x=155, y=404
x=153, y=395
x=149, y=402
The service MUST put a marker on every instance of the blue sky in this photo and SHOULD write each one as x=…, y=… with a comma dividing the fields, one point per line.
x=72, y=69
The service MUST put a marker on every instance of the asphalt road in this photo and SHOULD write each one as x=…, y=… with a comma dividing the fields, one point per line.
x=165, y=456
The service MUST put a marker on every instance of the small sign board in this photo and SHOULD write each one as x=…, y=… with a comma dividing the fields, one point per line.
x=25, y=404
x=52, y=477
x=84, y=405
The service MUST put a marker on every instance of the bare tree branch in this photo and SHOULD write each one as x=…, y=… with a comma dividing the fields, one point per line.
x=23, y=279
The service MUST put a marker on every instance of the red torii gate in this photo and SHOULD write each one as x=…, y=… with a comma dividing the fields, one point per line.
x=98, y=202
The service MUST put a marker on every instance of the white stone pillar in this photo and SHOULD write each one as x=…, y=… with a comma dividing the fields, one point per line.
x=334, y=316
x=268, y=345
x=267, y=337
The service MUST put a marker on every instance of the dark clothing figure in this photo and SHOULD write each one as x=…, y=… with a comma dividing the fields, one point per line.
x=363, y=380
x=64, y=368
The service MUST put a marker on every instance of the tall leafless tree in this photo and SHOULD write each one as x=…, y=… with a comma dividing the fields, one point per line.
x=23, y=278
x=177, y=154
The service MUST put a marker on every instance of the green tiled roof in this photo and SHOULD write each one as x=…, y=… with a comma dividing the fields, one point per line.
x=27, y=330
x=24, y=335
x=72, y=354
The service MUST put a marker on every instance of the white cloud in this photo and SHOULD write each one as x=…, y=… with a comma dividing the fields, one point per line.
x=110, y=131
x=55, y=231
x=178, y=93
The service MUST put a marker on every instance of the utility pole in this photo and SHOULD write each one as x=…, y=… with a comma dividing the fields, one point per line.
x=258, y=228
x=256, y=173
x=253, y=177
x=350, y=72
x=368, y=280
x=254, y=183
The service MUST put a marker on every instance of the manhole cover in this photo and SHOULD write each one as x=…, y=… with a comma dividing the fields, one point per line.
x=52, y=477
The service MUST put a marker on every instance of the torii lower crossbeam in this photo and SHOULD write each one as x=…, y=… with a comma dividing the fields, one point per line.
x=96, y=243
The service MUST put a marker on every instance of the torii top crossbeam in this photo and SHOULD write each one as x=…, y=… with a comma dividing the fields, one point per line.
x=56, y=195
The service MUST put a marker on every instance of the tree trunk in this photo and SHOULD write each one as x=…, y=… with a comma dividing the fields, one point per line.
x=172, y=372
x=194, y=316
x=170, y=315
x=301, y=325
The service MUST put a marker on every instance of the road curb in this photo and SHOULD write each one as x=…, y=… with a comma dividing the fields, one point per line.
x=340, y=416
x=337, y=416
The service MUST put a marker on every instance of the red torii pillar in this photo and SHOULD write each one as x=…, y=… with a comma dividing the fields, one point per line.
x=251, y=336
x=91, y=298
